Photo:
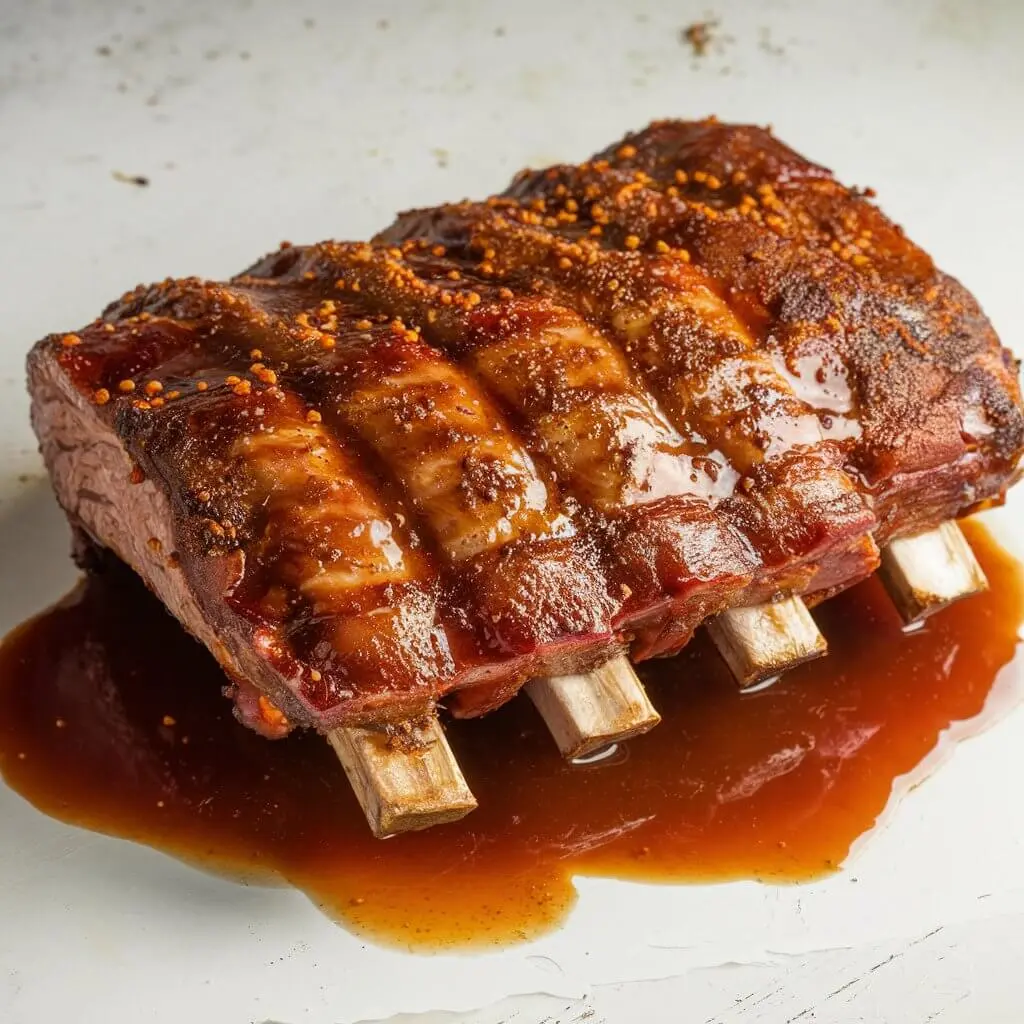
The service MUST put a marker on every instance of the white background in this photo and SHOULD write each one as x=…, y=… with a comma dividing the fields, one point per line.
x=258, y=121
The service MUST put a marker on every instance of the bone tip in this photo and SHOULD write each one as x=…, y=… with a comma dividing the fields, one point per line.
x=589, y=711
x=389, y=820
x=930, y=571
x=764, y=641
x=407, y=784
x=584, y=746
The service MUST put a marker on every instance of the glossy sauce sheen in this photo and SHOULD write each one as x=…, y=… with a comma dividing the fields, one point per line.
x=112, y=718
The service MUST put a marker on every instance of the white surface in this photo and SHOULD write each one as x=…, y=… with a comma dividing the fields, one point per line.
x=333, y=122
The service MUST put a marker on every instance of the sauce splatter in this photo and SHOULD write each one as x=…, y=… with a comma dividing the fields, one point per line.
x=112, y=718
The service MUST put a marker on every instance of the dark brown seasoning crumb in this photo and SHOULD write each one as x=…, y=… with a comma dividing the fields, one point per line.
x=130, y=179
x=698, y=36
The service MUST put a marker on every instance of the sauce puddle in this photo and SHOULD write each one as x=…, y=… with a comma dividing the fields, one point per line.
x=112, y=718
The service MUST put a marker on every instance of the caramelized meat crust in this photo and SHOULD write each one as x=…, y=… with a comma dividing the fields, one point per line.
x=511, y=438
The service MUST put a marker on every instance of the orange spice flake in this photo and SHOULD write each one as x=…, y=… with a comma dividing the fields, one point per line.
x=626, y=152
x=126, y=386
x=70, y=340
x=270, y=713
x=632, y=242
x=153, y=387
x=313, y=416
x=101, y=396
x=201, y=385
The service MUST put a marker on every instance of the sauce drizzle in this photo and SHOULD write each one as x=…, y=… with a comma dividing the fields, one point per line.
x=112, y=718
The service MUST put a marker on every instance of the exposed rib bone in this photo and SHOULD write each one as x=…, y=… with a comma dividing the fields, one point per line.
x=404, y=780
x=924, y=574
x=766, y=640
x=587, y=712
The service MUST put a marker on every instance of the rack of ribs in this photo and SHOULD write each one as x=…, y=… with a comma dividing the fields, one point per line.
x=520, y=442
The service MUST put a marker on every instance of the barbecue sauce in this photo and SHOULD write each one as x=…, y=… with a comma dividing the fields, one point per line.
x=112, y=718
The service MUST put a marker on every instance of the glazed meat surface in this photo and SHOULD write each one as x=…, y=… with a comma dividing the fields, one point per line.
x=513, y=438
